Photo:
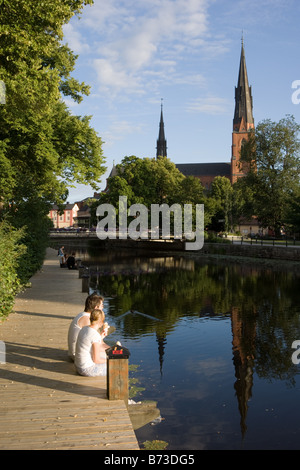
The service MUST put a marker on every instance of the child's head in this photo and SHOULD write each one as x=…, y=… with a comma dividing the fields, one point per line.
x=97, y=316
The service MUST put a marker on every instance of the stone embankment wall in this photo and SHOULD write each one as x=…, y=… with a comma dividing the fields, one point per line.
x=253, y=251
x=291, y=253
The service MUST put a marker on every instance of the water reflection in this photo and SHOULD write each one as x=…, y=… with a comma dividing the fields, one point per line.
x=261, y=304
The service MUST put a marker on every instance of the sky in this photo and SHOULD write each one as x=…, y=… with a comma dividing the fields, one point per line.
x=183, y=54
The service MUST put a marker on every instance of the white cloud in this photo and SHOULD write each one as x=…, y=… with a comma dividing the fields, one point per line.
x=74, y=39
x=118, y=130
x=138, y=51
x=113, y=77
x=130, y=40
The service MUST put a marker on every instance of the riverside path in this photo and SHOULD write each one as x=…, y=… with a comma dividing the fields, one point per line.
x=44, y=404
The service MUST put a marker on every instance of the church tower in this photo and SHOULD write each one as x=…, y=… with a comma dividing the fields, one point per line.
x=243, y=120
x=161, y=147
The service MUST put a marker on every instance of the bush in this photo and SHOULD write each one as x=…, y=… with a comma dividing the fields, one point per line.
x=213, y=238
x=24, y=237
x=11, y=251
x=32, y=218
x=36, y=240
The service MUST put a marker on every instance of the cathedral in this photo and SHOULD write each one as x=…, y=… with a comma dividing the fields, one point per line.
x=243, y=122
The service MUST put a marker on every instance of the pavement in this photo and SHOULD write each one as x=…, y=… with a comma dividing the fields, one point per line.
x=48, y=306
x=44, y=403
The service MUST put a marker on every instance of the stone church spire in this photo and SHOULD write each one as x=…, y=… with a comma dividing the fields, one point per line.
x=161, y=147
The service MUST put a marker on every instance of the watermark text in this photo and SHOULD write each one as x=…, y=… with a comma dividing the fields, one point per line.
x=296, y=93
x=296, y=354
x=2, y=92
x=2, y=353
x=160, y=222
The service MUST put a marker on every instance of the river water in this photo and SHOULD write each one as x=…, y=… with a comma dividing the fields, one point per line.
x=212, y=344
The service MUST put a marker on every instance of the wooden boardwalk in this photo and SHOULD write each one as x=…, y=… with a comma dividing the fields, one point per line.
x=44, y=404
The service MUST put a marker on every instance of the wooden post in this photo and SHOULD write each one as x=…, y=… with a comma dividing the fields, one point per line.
x=81, y=270
x=117, y=373
x=85, y=283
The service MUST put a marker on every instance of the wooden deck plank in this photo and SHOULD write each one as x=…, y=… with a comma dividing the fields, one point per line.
x=44, y=403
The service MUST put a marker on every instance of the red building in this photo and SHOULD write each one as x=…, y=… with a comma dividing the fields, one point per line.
x=67, y=219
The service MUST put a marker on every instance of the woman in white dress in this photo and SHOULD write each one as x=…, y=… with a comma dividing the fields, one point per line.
x=90, y=356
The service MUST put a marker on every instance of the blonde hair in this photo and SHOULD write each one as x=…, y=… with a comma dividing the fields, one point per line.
x=97, y=315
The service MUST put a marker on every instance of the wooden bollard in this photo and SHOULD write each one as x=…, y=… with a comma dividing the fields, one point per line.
x=117, y=373
x=85, y=283
x=81, y=270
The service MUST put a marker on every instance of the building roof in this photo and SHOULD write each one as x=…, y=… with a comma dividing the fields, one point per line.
x=68, y=206
x=205, y=169
x=113, y=172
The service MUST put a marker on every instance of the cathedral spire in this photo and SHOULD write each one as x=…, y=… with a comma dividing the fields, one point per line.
x=243, y=98
x=161, y=148
x=243, y=120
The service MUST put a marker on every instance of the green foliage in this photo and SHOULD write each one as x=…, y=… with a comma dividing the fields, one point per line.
x=155, y=445
x=44, y=148
x=133, y=388
x=191, y=191
x=221, y=196
x=292, y=216
x=272, y=153
x=150, y=181
x=32, y=218
x=10, y=252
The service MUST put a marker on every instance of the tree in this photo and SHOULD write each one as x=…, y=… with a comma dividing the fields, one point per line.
x=242, y=201
x=43, y=147
x=192, y=191
x=152, y=181
x=272, y=153
x=221, y=194
x=118, y=186
x=292, y=216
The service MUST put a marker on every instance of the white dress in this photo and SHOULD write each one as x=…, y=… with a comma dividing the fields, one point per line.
x=83, y=355
x=73, y=333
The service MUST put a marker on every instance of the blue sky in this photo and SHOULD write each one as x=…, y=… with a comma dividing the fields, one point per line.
x=134, y=53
